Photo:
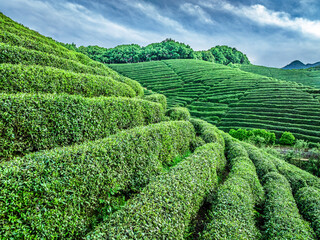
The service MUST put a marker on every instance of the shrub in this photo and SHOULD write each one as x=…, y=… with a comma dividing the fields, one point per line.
x=208, y=132
x=308, y=200
x=31, y=122
x=258, y=137
x=58, y=194
x=282, y=218
x=158, y=98
x=287, y=138
x=178, y=113
x=166, y=206
x=133, y=84
x=232, y=215
x=20, y=78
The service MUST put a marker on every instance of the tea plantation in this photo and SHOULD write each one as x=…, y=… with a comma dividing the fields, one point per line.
x=85, y=155
x=231, y=98
x=310, y=76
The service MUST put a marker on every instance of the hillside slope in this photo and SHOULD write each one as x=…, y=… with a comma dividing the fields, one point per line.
x=310, y=77
x=84, y=155
x=231, y=98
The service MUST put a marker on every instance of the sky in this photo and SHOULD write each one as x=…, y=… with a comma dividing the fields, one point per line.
x=271, y=32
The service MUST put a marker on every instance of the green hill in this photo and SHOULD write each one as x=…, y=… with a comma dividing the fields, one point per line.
x=85, y=155
x=310, y=76
x=232, y=98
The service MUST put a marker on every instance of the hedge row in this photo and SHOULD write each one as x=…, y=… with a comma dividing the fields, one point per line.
x=167, y=205
x=158, y=98
x=308, y=200
x=208, y=132
x=178, y=113
x=16, y=34
x=17, y=55
x=31, y=122
x=266, y=163
x=281, y=215
x=232, y=215
x=20, y=55
x=21, y=78
x=60, y=194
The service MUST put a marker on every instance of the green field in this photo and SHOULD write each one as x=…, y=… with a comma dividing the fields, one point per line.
x=85, y=155
x=231, y=98
x=310, y=77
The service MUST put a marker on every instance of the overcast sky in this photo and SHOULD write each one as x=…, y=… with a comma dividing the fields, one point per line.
x=270, y=32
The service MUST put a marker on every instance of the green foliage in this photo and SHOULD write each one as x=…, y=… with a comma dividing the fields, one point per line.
x=231, y=98
x=59, y=193
x=178, y=113
x=309, y=77
x=232, y=215
x=226, y=55
x=158, y=98
x=204, y=55
x=166, y=206
x=308, y=200
x=167, y=49
x=282, y=218
x=258, y=137
x=20, y=78
x=287, y=138
x=32, y=122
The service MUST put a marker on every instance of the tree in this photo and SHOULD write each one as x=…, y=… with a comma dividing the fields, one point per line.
x=287, y=138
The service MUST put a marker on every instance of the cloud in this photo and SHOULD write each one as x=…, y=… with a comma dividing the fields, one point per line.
x=197, y=11
x=152, y=12
x=72, y=22
x=263, y=16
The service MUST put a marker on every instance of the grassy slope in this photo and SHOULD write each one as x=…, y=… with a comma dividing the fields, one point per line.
x=64, y=192
x=231, y=98
x=309, y=76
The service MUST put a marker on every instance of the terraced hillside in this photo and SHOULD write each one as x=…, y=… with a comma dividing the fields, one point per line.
x=231, y=98
x=310, y=77
x=87, y=156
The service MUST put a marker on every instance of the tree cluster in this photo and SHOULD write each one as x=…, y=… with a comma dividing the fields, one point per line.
x=167, y=49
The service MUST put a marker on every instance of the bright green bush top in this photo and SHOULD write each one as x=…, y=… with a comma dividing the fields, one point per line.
x=60, y=193
x=32, y=122
x=159, y=98
x=287, y=138
x=282, y=217
x=308, y=200
x=166, y=206
x=178, y=113
x=34, y=78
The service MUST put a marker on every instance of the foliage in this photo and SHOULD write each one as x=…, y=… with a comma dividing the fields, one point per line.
x=226, y=55
x=287, y=138
x=178, y=113
x=166, y=206
x=33, y=78
x=167, y=49
x=258, y=137
x=232, y=215
x=158, y=98
x=32, y=122
x=308, y=200
x=282, y=218
x=231, y=98
x=59, y=193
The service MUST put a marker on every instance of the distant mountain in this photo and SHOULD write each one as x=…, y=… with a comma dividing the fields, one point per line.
x=300, y=65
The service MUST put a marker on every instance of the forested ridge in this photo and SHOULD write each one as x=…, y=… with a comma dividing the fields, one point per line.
x=167, y=49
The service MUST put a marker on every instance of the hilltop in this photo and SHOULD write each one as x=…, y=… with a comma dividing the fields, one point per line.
x=310, y=76
x=84, y=154
x=167, y=49
x=230, y=97
x=300, y=65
